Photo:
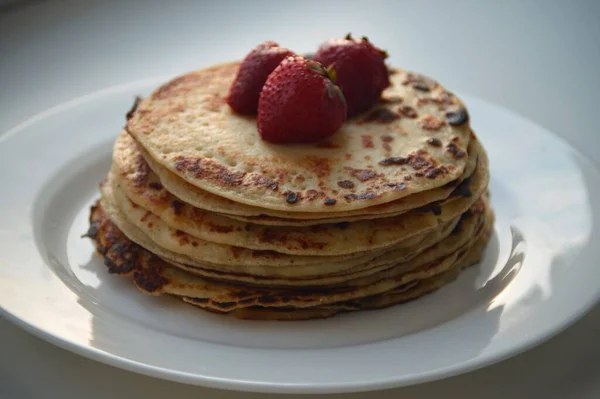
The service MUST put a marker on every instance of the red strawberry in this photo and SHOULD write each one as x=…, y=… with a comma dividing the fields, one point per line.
x=299, y=103
x=360, y=68
x=254, y=70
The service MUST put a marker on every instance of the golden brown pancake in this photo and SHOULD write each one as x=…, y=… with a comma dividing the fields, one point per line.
x=187, y=127
x=155, y=276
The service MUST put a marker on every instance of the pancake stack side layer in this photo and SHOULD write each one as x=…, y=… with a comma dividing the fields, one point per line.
x=391, y=207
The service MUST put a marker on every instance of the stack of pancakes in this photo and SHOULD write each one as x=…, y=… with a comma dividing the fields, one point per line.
x=196, y=205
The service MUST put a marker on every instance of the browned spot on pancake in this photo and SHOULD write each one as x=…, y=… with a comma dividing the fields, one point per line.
x=367, y=157
x=419, y=82
x=435, y=142
x=407, y=177
x=219, y=228
x=96, y=218
x=206, y=169
x=430, y=122
x=455, y=150
x=380, y=115
x=442, y=100
x=346, y=184
x=407, y=111
x=145, y=217
x=421, y=87
x=367, y=141
x=362, y=196
x=327, y=144
x=149, y=279
x=291, y=197
x=390, y=100
x=319, y=166
x=133, y=108
x=348, y=156
x=329, y=201
x=457, y=117
x=300, y=178
x=387, y=139
x=455, y=139
x=435, y=172
x=312, y=195
x=177, y=207
x=182, y=238
x=362, y=174
x=396, y=186
x=155, y=186
x=236, y=251
x=120, y=254
x=261, y=180
x=393, y=161
x=141, y=171
x=425, y=165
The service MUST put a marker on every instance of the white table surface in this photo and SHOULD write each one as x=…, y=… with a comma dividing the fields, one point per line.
x=539, y=58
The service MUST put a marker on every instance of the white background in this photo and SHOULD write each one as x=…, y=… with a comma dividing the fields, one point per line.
x=538, y=58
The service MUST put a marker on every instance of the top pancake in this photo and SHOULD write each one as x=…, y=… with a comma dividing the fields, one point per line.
x=382, y=156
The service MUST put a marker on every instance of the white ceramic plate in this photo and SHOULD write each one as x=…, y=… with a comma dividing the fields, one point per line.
x=539, y=273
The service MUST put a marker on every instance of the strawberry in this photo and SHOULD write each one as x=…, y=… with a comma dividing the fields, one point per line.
x=361, y=71
x=252, y=74
x=299, y=103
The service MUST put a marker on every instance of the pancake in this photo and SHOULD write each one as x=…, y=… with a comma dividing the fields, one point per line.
x=187, y=127
x=144, y=178
x=234, y=259
x=325, y=240
x=387, y=264
x=154, y=276
x=241, y=260
x=406, y=293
